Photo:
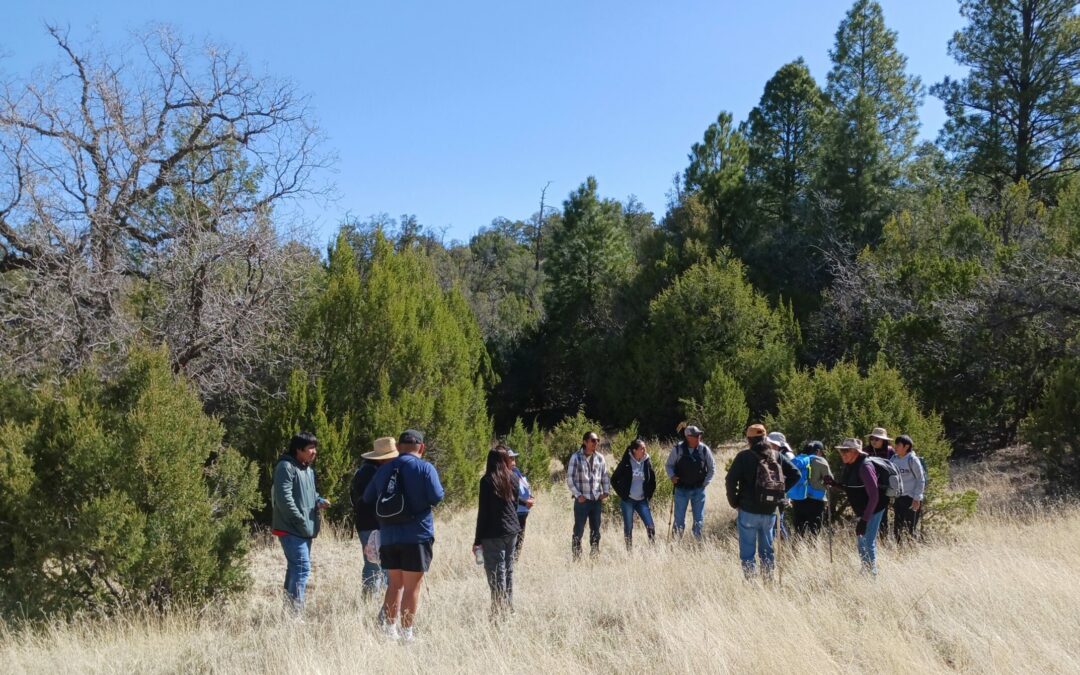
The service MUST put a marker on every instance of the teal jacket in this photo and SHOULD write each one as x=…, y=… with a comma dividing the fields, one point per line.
x=295, y=501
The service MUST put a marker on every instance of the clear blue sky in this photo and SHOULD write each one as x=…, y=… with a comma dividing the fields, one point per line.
x=459, y=112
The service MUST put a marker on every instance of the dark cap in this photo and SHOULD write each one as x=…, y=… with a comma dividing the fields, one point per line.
x=411, y=437
x=905, y=439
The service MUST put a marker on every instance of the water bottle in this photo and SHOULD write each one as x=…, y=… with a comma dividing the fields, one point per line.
x=479, y=555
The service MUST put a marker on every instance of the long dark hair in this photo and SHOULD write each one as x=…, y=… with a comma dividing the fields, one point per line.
x=636, y=443
x=498, y=471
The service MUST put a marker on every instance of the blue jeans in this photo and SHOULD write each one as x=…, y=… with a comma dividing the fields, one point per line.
x=696, y=498
x=867, y=543
x=297, y=568
x=756, y=532
x=589, y=510
x=640, y=507
x=374, y=577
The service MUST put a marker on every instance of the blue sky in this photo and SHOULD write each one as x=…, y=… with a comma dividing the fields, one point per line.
x=460, y=112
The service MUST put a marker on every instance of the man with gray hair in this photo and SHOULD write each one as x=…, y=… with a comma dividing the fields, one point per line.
x=691, y=468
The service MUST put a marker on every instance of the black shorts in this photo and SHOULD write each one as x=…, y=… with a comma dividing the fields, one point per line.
x=406, y=557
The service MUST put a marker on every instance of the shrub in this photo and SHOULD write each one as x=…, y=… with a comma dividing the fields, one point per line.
x=722, y=412
x=565, y=438
x=830, y=405
x=119, y=493
x=1053, y=428
x=534, y=456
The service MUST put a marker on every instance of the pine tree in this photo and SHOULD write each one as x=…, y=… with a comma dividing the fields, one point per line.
x=874, y=122
x=1016, y=115
x=717, y=170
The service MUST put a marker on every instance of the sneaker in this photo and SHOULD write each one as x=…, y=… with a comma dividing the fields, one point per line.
x=390, y=630
x=407, y=635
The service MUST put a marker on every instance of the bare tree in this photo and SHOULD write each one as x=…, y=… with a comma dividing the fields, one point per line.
x=142, y=192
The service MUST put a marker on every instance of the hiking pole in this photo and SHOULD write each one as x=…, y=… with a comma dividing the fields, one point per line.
x=776, y=548
x=671, y=516
x=828, y=519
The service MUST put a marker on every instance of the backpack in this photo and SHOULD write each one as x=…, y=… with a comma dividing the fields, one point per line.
x=771, y=488
x=801, y=490
x=887, y=470
x=391, y=507
x=691, y=468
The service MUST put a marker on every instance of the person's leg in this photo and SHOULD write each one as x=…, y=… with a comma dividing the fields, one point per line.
x=884, y=529
x=410, y=597
x=492, y=550
x=627, y=508
x=868, y=543
x=747, y=541
x=682, y=499
x=509, y=546
x=522, y=518
x=372, y=575
x=392, y=601
x=290, y=570
x=697, y=503
x=298, y=560
x=766, y=527
x=595, y=511
x=581, y=511
x=799, y=520
x=645, y=513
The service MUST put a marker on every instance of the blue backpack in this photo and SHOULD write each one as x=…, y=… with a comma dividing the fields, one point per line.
x=802, y=489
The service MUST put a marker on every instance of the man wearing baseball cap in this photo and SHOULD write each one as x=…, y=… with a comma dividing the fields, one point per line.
x=691, y=468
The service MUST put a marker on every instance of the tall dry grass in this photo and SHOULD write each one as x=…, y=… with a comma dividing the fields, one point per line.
x=996, y=595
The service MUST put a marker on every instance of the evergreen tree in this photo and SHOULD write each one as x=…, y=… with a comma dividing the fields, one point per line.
x=874, y=123
x=1016, y=115
x=717, y=170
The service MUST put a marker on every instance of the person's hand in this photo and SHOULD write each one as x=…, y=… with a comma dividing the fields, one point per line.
x=860, y=528
x=530, y=501
x=829, y=480
x=674, y=480
x=916, y=505
x=603, y=496
x=581, y=499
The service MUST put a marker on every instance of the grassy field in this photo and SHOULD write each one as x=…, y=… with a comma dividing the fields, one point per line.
x=998, y=594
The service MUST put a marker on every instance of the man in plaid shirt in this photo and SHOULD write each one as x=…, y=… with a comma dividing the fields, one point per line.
x=589, y=485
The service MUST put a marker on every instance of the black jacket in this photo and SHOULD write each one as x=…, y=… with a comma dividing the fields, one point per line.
x=363, y=513
x=742, y=481
x=496, y=517
x=623, y=477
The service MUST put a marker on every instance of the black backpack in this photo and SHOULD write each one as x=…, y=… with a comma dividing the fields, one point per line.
x=691, y=467
x=771, y=488
x=391, y=507
x=888, y=476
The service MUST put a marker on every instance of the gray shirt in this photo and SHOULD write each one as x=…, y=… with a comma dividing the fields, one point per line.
x=637, y=478
x=676, y=452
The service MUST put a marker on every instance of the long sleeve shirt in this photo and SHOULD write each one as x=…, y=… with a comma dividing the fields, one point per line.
x=912, y=477
x=677, y=452
x=423, y=490
x=587, y=476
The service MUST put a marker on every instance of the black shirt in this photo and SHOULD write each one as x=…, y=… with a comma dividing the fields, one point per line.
x=496, y=517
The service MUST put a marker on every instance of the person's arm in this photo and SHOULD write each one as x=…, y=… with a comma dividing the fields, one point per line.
x=710, y=466
x=370, y=493
x=605, y=479
x=618, y=474
x=355, y=494
x=731, y=482
x=571, y=470
x=791, y=474
x=482, y=510
x=870, y=484
x=669, y=465
x=283, y=494
x=919, y=489
x=435, y=492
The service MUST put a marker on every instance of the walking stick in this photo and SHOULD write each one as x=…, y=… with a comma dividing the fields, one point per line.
x=828, y=519
x=776, y=548
x=671, y=516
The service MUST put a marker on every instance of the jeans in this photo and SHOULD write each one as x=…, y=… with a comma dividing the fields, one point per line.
x=522, y=519
x=640, y=507
x=696, y=498
x=867, y=543
x=297, y=568
x=373, y=576
x=590, y=509
x=756, y=532
x=499, y=566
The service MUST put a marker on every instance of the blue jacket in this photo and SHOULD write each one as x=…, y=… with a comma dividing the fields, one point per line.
x=422, y=491
x=524, y=492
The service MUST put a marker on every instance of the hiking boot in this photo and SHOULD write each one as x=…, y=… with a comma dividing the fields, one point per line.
x=594, y=544
x=575, y=548
x=629, y=542
x=652, y=534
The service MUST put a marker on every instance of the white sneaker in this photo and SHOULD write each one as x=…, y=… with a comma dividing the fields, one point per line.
x=390, y=630
x=407, y=635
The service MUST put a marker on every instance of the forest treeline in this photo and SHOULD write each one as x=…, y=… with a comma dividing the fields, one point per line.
x=164, y=329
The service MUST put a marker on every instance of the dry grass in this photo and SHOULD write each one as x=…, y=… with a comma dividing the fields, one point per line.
x=997, y=596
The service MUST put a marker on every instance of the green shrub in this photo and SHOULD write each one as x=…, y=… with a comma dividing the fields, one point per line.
x=119, y=493
x=830, y=405
x=534, y=456
x=1053, y=428
x=565, y=438
x=722, y=412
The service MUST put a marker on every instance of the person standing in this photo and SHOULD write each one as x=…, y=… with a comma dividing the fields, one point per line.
x=373, y=577
x=587, y=477
x=879, y=447
x=778, y=442
x=497, y=528
x=866, y=495
x=690, y=467
x=757, y=482
x=635, y=482
x=295, y=519
x=809, y=496
x=408, y=532
x=526, y=501
x=907, y=508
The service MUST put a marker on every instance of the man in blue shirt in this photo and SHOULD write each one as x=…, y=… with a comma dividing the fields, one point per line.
x=405, y=549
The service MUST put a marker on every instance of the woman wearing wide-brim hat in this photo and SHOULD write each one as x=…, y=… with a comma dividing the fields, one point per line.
x=879, y=447
x=383, y=450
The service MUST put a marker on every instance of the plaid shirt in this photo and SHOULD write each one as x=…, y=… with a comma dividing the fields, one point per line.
x=587, y=476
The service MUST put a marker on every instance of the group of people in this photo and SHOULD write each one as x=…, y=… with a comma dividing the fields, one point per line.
x=394, y=490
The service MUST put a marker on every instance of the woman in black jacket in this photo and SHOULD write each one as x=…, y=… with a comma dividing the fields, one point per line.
x=497, y=528
x=635, y=482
